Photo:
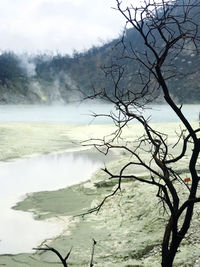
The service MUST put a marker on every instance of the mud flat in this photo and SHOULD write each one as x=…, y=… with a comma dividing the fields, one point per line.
x=128, y=229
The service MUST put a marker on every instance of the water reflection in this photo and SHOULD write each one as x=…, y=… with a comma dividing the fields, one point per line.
x=18, y=231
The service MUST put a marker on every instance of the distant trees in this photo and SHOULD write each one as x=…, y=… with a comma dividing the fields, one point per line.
x=13, y=78
x=84, y=69
x=31, y=79
x=10, y=68
x=48, y=67
x=167, y=30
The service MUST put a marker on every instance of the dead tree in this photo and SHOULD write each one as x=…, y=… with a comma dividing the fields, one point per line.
x=62, y=259
x=165, y=29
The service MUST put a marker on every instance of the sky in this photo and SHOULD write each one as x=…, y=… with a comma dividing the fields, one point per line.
x=62, y=26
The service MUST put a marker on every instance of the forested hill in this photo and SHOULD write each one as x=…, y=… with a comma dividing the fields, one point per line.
x=47, y=78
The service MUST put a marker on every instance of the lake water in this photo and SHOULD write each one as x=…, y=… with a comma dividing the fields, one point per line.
x=18, y=231
x=82, y=113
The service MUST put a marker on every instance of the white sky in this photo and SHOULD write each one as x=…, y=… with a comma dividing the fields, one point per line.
x=57, y=25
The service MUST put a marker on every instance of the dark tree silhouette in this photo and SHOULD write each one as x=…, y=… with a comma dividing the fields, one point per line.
x=166, y=29
x=10, y=68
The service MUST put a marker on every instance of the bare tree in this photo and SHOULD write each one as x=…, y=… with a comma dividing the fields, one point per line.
x=64, y=260
x=166, y=29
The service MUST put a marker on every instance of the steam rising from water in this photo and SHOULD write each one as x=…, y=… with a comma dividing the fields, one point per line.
x=62, y=89
x=28, y=65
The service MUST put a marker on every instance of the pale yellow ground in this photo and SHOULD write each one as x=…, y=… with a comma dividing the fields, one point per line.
x=27, y=139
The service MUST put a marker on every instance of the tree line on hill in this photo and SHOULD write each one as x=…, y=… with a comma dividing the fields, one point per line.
x=49, y=78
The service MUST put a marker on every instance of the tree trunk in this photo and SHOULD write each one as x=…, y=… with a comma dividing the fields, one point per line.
x=167, y=261
x=169, y=255
x=171, y=242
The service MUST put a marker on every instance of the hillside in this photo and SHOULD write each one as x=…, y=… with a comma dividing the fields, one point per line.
x=47, y=78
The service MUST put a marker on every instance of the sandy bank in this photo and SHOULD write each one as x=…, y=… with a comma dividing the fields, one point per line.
x=26, y=139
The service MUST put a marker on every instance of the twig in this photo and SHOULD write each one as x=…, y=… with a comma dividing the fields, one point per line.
x=92, y=257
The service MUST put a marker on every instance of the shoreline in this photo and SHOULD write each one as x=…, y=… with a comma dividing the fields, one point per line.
x=102, y=227
x=39, y=175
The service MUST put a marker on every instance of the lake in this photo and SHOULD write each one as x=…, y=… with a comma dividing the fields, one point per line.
x=82, y=113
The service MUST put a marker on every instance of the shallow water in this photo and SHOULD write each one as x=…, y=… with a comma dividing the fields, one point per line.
x=34, y=174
